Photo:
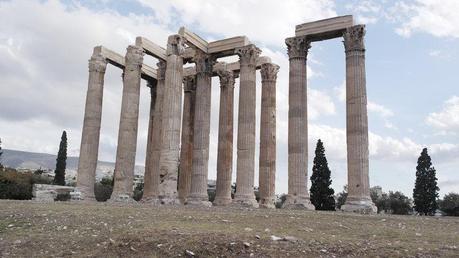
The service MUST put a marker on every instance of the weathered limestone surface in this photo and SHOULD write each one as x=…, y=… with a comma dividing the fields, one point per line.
x=89, y=148
x=225, y=138
x=48, y=193
x=246, y=127
x=201, y=131
x=357, y=123
x=267, y=171
x=171, y=118
x=127, y=134
x=152, y=170
x=325, y=29
x=298, y=196
x=186, y=152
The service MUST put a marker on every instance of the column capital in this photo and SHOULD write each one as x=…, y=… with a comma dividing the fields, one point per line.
x=297, y=47
x=269, y=72
x=134, y=57
x=227, y=78
x=175, y=45
x=204, y=63
x=97, y=63
x=189, y=83
x=353, y=38
x=248, y=54
x=161, y=70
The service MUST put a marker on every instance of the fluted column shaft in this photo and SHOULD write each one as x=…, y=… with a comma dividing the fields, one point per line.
x=298, y=196
x=186, y=152
x=225, y=138
x=201, y=131
x=152, y=171
x=267, y=161
x=89, y=148
x=171, y=119
x=246, y=126
x=127, y=134
x=356, y=122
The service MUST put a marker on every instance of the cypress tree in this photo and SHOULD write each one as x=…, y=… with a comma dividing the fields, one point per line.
x=1, y=152
x=425, y=192
x=61, y=161
x=321, y=192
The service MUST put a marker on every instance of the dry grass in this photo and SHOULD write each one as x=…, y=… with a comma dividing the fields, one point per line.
x=30, y=229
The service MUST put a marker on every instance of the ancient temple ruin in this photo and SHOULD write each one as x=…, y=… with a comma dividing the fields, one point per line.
x=178, y=133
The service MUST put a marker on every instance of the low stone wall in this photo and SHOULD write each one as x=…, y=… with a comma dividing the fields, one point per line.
x=50, y=193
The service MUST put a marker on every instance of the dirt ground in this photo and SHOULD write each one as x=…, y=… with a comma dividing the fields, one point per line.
x=29, y=229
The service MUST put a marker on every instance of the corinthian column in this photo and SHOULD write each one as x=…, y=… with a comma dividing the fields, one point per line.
x=358, y=198
x=147, y=176
x=127, y=134
x=225, y=138
x=170, y=121
x=267, y=171
x=186, y=152
x=298, y=196
x=246, y=126
x=89, y=148
x=198, y=192
x=152, y=173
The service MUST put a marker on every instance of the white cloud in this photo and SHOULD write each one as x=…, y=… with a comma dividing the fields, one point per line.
x=438, y=18
x=379, y=109
x=446, y=120
x=267, y=22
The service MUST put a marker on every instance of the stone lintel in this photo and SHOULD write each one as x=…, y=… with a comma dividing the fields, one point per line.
x=234, y=67
x=115, y=59
x=225, y=47
x=151, y=48
x=325, y=29
x=193, y=40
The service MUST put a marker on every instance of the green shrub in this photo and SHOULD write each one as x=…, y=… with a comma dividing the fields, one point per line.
x=15, y=185
x=450, y=204
x=103, y=189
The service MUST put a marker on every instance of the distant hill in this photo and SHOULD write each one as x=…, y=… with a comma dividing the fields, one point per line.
x=33, y=160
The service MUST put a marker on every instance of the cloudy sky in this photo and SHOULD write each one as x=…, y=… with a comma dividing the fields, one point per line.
x=412, y=62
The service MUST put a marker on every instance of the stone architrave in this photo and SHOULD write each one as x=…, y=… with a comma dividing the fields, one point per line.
x=225, y=138
x=201, y=131
x=298, y=196
x=91, y=128
x=358, y=198
x=186, y=152
x=267, y=169
x=152, y=172
x=127, y=134
x=246, y=127
x=171, y=118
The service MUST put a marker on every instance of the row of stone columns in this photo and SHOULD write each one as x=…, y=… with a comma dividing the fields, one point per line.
x=162, y=164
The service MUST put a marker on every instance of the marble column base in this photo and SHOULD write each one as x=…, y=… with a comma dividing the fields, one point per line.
x=267, y=204
x=243, y=201
x=222, y=201
x=121, y=198
x=359, y=205
x=297, y=203
x=198, y=201
x=169, y=201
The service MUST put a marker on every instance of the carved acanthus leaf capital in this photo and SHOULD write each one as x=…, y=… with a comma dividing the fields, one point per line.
x=248, y=54
x=203, y=62
x=189, y=83
x=353, y=38
x=134, y=57
x=269, y=72
x=227, y=78
x=161, y=70
x=175, y=45
x=97, y=63
x=297, y=47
